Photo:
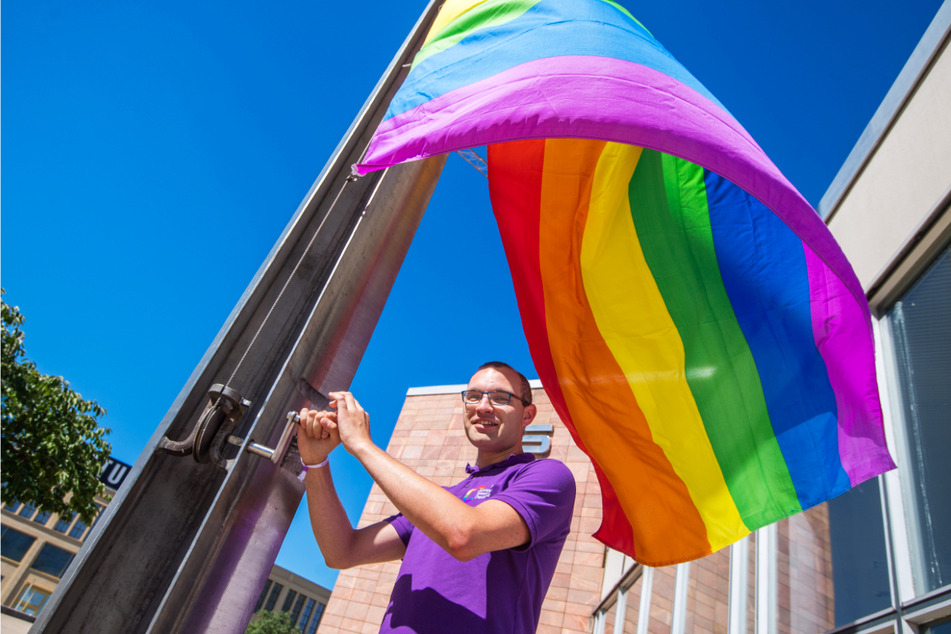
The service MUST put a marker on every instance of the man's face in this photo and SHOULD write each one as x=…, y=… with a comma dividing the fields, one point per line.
x=497, y=429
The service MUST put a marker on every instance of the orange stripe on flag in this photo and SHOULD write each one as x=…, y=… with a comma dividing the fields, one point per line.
x=516, y=185
x=625, y=451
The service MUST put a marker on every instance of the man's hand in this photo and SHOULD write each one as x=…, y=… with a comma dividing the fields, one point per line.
x=352, y=422
x=316, y=435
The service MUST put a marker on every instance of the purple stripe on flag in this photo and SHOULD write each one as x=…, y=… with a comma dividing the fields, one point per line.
x=576, y=96
x=612, y=100
x=850, y=361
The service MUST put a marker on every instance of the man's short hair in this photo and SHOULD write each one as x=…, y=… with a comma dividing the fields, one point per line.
x=526, y=395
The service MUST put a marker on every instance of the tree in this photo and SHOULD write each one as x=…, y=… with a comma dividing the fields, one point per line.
x=53, y=448
x=267, y=622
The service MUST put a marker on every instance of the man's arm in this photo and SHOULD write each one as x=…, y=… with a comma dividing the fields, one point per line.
x=461, y=530
x=341, y=545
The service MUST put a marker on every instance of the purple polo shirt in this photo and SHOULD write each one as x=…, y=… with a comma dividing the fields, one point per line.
x=500, y=591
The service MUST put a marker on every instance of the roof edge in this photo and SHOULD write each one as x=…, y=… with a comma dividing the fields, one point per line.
x=898, y=95
x=454, y=389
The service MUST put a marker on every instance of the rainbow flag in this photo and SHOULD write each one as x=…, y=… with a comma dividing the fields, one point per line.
x=691, y=317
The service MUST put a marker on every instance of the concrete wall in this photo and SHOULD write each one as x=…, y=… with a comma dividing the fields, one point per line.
x=10, y=624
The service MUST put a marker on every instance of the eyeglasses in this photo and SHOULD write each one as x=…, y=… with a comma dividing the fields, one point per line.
x=496, y=397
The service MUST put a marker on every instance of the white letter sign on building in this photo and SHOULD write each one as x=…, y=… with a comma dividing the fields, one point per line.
x=537, y=439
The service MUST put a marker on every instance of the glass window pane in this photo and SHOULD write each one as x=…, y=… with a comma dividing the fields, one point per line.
x=267, y=586
x=859, y=561
x=289, y=600
x=42, y=517
x=308, y=608
x=78, y=529
x=64, y=521
x=920, y=329
x=12, y=506
x=14, y=544
x=31, y=600
x=271, y=600
x=297, y=608
x=315, y=621
x=27, y=511
x=941, y=627
x=99, y=509
x=52, y=560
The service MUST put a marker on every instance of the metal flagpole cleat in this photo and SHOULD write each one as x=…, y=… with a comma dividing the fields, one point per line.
x=213, y=430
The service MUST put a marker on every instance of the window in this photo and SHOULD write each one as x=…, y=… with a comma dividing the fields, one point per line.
x=42, y=517
x=297, y=607
x=31, y=600
x=289, y=600
x=11, y=506
x=27, y=511
x=859, y=560
x=267, y=586
x=272, y=600
x=63, y=524
x=78, y=529
x=314, y=622
x=944, y=627
x=99, y=509
x=308, y=608
x=52, y=560
x=919, y=326
x=14, y=544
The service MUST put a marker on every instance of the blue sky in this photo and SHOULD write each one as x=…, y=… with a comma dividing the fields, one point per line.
x=152, y=153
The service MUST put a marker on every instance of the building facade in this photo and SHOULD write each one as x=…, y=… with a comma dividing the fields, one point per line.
x=875, y=560
x=37, y=547
x=300, y=598
x=889, y=210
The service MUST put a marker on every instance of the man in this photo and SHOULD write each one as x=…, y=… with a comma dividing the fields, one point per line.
x=477, y=556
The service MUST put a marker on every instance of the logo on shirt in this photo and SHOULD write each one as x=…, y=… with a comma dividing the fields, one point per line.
x=478, y=493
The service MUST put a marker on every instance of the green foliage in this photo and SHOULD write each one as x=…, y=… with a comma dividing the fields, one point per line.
x=267, y=622
x=52, y=444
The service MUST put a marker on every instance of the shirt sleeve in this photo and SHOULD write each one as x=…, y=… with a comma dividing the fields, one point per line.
x=544, y=495
x=402, y=525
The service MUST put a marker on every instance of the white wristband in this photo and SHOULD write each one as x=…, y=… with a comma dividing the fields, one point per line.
x=305, y=467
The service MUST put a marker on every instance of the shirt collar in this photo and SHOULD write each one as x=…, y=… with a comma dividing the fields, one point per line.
x=514, y=459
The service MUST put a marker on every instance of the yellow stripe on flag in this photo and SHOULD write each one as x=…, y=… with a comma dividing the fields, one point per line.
x=633, y=319
x=610, y=423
